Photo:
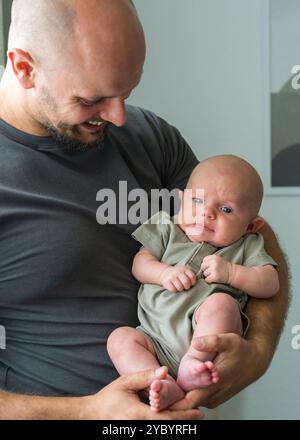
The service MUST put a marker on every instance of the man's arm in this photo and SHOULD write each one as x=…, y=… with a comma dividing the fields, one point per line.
x=117, y=401
x=22, y=407
x=267, y=316
x=242, y=361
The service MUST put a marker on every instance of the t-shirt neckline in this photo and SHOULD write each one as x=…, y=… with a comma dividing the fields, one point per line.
x=37, y=142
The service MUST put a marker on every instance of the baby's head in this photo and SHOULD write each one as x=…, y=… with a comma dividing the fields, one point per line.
x=232, y=196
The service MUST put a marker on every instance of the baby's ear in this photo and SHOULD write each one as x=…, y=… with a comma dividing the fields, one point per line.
x=255, y=225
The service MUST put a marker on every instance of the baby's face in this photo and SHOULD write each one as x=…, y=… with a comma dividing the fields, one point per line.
x=221, y=215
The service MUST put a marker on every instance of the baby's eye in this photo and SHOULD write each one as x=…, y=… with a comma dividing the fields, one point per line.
x=226, y=210
x=198, y=200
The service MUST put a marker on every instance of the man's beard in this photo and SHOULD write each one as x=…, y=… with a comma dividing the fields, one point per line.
x=69, y=143
x=62, y=134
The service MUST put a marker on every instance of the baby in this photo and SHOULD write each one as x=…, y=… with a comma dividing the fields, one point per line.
x=196, y=271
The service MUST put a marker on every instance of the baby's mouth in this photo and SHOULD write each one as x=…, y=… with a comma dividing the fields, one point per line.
x=196, y=228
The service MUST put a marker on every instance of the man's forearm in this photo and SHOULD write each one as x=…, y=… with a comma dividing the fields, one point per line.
x=21, y=407
x=267, y=316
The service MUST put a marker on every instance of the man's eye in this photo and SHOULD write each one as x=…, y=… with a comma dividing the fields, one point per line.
x=197, y=200
x=226, y=210
x=87, y=104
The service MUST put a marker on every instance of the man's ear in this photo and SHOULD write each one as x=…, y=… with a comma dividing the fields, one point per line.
x=23, y=67
x=255, y=225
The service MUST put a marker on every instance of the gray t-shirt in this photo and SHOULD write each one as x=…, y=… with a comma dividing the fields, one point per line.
x=65, y=280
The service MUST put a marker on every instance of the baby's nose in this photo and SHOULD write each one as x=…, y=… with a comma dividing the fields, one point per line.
x=209, y=212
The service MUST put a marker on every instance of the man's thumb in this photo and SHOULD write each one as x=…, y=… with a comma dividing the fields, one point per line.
x=143, y=379
x=216, y=343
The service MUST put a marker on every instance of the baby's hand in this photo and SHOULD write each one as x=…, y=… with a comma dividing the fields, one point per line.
x=177, y=278
x=216, y=269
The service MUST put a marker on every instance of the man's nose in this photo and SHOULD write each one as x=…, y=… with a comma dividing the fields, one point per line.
x=114, y=111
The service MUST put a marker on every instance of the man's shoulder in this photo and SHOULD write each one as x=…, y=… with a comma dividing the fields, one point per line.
x=137, y=112
x=140, y=116
x=146, y=129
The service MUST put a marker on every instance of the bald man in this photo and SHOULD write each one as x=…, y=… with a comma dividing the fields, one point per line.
x=66, y=283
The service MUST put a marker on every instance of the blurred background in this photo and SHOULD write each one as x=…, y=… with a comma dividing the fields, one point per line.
x=207, y=73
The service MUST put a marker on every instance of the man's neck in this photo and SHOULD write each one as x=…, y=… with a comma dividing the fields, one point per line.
x=13, y=113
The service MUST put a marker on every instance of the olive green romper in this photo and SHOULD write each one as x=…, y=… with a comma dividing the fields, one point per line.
x=169, y=318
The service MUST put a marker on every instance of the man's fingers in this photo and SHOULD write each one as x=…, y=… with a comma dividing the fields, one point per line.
x=189, y=401
x=222, y=342
x=192, y=414
x=205, y=397
x=143, y=379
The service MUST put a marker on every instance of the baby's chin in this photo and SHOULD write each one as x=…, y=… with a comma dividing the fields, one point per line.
x=202, y=237
x=197, y=234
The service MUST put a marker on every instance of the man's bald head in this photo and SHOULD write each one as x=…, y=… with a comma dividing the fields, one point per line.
x=72, y=64
x=50, y=29
x=41, y=28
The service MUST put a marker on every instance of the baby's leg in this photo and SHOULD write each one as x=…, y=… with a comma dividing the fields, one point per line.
x=132, y=351
x=218, y=314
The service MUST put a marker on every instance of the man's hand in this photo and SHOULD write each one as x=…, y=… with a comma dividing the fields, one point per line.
x=239, y=362
x=177, y=278
x=119, y=401
x=216, y=269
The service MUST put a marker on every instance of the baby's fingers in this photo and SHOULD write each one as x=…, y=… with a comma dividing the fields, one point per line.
x=170, y=287
x=205, y=265
x=209, y=279
x=178, y=284
x=191, y=275
x=207, y=274
x=206, y=260
x=185, y=280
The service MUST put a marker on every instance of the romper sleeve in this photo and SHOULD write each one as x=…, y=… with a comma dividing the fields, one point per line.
x=255, y=253
x=154, y=233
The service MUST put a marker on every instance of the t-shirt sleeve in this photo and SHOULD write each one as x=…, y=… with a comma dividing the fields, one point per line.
x=255, y=253
x=172, y=157
x=154, y=234
x=179, y=159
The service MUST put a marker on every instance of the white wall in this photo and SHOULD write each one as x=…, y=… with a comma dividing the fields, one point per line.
x=204, y=74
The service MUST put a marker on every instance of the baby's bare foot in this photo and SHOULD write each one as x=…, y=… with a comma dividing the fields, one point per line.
x=193, y=373
x=163, y=393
